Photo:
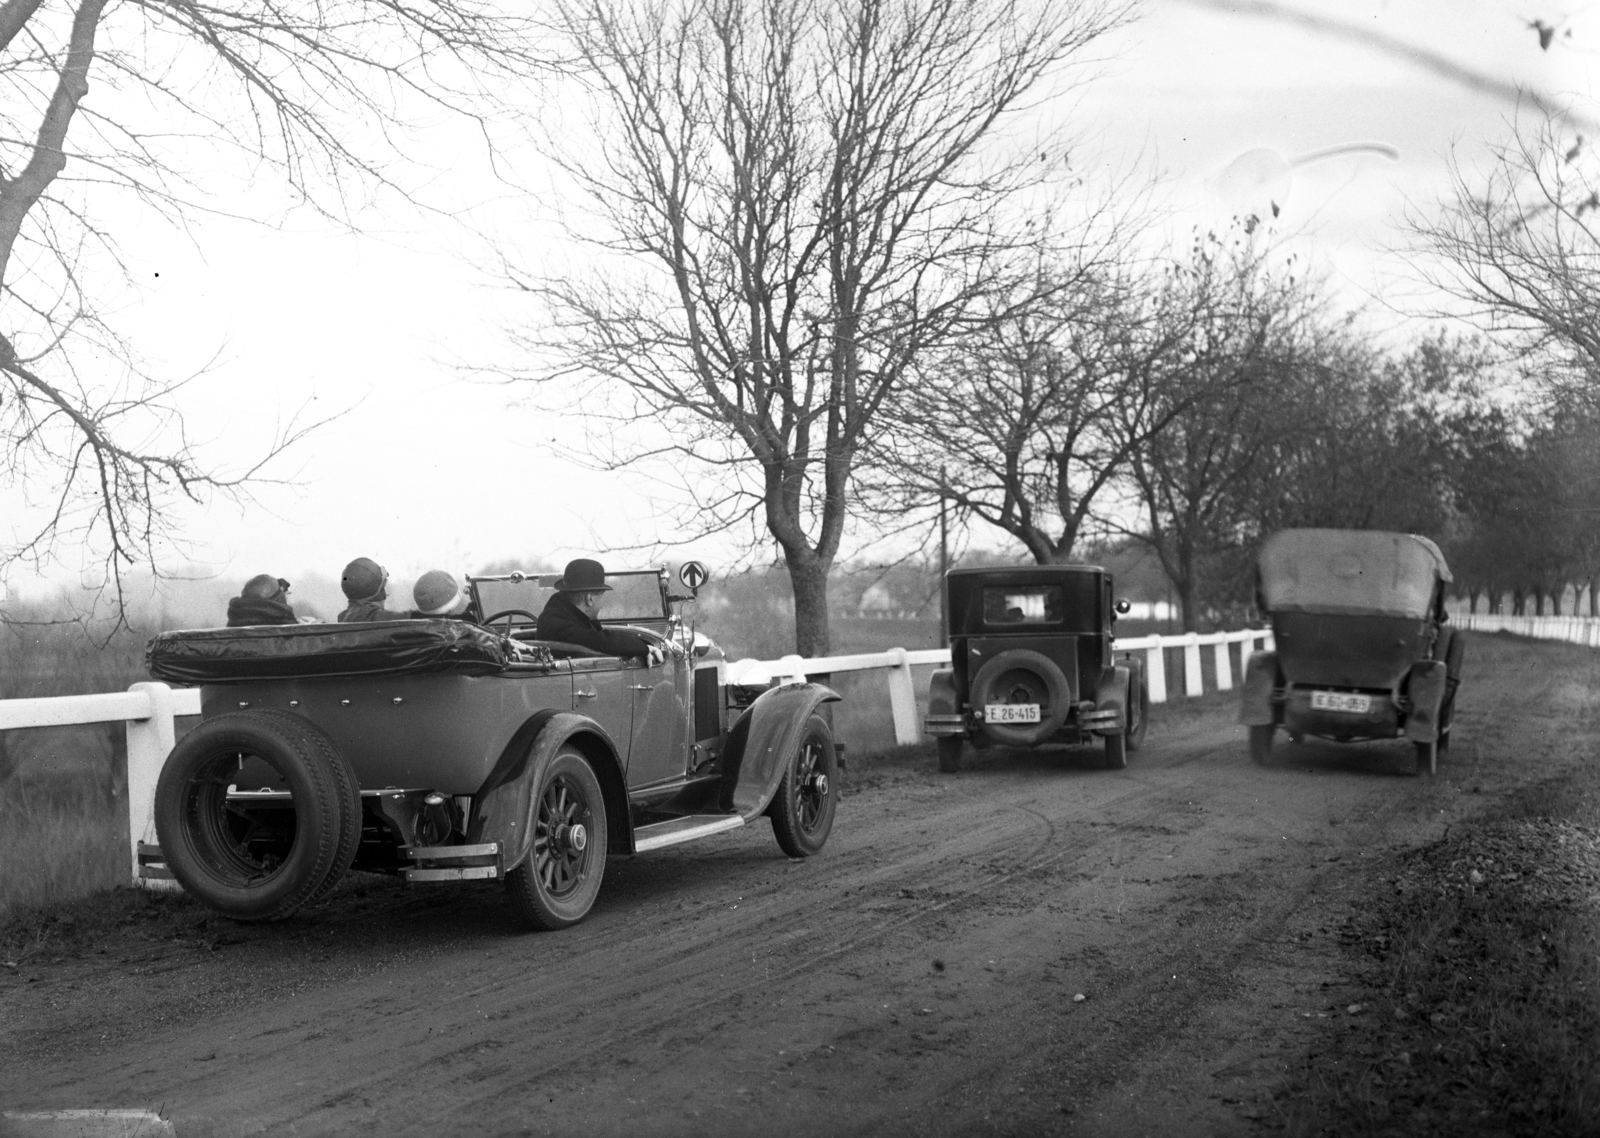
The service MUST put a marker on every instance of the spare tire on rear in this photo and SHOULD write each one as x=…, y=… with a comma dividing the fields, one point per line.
x=252, y=863
x=1035, y=678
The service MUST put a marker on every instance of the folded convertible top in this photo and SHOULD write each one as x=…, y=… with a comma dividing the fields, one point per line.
x=217, y=655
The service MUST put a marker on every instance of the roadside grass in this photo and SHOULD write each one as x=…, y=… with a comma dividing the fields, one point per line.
x=1482, y=964
x=58, y=840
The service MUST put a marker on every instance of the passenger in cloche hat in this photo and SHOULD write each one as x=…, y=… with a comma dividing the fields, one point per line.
x=572, y=615
x=437, y=594
x=366, y=586
x=263, y=600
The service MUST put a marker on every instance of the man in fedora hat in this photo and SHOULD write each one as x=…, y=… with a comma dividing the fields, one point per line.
x=572, y=615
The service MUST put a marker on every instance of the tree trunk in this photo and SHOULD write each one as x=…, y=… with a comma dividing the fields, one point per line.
x=809, y=579
x=1188, y=590
x=1472, y=601
x=1538, y=600
x=1519, y=602
x=1594, y=602
x=1555, y=600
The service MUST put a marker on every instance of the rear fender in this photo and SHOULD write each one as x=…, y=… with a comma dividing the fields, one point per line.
x=1260, y=679
x=502, y=809
x=1110, y=714
x=944, y=705
x=1426, y=690
x=761, y=741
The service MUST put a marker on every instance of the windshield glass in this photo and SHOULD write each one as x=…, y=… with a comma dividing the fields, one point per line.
x=1350, y=571
x=634, y=596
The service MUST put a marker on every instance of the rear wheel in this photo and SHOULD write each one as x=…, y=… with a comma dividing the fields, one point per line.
x=556, y=885
x=1116, y=755
x=950, y=753
x=1138, y=710
x=257, y=858
x=1261, y=743
x=802, y=811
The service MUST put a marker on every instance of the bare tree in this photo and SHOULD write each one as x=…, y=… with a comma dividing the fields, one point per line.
x=1031, y=422
x=1219, y=405
x=804, y=204
x=318, y=92
x=1521, y=250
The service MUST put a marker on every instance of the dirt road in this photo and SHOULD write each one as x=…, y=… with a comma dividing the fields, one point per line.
x=1031, y=946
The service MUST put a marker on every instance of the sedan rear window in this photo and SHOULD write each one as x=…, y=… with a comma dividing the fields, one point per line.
x=1023, y=604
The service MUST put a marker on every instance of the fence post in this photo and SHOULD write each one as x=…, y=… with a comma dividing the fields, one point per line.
x=903, y=699
x=790, y=669
x=1193, y=685
x=1247, y=649
x=1224, y=672
x=150, y=741
x=1155, y=670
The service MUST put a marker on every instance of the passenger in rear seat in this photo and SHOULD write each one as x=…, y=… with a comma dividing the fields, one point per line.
x=263, y=600
x=366, y=586
x=437, y=595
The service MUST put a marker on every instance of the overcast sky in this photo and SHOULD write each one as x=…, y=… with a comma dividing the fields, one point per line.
x=428, y=469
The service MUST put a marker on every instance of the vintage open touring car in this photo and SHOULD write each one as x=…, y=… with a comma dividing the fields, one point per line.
x=1032, y=662
x=1362, y=648
x=451, y=750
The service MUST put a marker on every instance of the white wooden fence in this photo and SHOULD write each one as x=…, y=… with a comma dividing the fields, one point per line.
x=898, y=662
x=1576, y=629
x=150, y=708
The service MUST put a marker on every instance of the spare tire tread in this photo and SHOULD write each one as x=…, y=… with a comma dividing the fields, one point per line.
x=195, y=847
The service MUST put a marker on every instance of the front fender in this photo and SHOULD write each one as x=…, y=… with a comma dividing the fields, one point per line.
x=1255, y=701
x=761, y=742
x=502, y=809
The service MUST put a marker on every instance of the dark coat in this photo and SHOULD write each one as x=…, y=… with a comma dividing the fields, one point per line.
x=565, y=621
x=245, y=611
x=360, y=611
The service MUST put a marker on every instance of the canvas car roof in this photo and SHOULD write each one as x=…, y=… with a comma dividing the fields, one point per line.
x=1350, y=571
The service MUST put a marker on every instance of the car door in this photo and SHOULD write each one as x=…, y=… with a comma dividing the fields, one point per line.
x=660, y=740
x=601, y=690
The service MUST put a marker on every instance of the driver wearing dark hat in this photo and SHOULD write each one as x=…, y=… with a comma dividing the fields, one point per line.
x=572, y=614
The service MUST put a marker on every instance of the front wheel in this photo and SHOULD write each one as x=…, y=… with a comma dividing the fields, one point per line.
x=950, y=753
x=1261, y=743
x=555, y=886
x=802, y=811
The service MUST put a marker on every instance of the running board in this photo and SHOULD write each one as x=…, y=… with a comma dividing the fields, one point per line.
x=660, y=834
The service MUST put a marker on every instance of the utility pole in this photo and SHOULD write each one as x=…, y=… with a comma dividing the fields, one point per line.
x=944, y=567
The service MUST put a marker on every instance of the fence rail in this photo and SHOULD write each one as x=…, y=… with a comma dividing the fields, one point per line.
x=150, y=709
x=1575, y=629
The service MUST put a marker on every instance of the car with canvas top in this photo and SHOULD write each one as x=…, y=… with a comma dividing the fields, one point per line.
x=445, y=750
x=1362, y=648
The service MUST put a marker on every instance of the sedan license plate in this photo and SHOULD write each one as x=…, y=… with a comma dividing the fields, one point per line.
x=1341, y=701
x=1011, y=713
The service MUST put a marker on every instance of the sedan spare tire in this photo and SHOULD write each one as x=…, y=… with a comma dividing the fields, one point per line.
x=257, y=860
x=1022, y=676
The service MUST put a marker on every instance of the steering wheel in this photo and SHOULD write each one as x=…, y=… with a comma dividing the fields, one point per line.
x=508, y=613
